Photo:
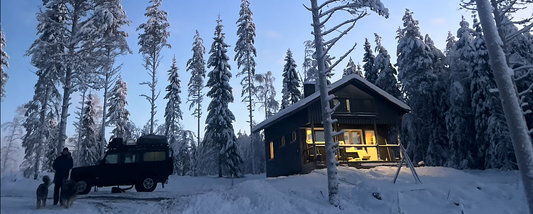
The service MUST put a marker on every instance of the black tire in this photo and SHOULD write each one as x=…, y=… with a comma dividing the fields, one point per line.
x=84, y=186
x=146, y=184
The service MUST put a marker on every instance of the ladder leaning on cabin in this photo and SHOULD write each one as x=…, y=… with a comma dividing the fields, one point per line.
x=406, y=158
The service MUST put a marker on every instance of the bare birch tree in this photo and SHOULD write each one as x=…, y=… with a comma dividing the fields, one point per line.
x=508, y=94
x=321, y=15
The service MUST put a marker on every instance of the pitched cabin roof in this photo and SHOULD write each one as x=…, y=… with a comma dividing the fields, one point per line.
x=336, y=85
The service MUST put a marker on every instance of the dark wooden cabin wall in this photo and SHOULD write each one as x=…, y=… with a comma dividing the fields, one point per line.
x=287, y=159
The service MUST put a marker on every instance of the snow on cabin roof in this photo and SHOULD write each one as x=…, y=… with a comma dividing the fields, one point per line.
x=307, y=101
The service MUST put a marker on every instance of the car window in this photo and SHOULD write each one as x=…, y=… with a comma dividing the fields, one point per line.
x=130, y=157
x=154, y=156
x=111, y=159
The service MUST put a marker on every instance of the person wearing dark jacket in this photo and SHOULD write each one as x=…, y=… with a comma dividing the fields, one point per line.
x=62, y=166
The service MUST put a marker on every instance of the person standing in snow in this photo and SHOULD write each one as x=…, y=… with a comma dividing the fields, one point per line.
x=62, y=166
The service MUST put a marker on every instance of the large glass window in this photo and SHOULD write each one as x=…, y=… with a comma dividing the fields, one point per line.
x=154, y=156
x=353, y=137
x=111, y=159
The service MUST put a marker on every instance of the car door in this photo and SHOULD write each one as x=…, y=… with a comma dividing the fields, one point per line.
x=130, y=167
x=108, y=173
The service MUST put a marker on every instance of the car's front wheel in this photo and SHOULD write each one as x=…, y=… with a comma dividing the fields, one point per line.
x=146, y=184
x=84, y=186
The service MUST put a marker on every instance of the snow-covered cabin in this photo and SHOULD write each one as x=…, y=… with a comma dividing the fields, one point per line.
x=366, y=113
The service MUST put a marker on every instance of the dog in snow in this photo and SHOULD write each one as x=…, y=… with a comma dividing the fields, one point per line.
x=42, y=192
x=69, y=192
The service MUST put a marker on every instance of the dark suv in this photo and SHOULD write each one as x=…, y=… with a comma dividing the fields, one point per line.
x=143, y=163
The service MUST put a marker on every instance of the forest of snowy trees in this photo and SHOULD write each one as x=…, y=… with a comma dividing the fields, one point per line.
x=457, y=119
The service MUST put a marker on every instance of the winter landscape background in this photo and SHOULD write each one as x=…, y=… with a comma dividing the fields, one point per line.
x=204, y=73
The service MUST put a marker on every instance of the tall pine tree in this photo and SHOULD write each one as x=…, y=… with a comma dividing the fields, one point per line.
x=245, y=53
x=196, y=65
x=219, y=131
x=459, y=117
x=152, y=41
x=291, y=82
x=415, y=72
x=110, y=13
x=173, y=115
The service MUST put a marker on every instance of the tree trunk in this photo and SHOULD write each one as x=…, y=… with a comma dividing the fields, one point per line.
x=79, y=127
x=102, y=130
x=513, y=113
x=64, y=110
x=39, y=150
x=251, y=110
x=331, y=147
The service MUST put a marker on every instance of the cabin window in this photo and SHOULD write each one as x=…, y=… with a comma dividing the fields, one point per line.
x=111, y=159
x=130, y=157
x=293, y=136
x=283, y=141
x=353, y=137
x=271, y=150
x=153, y=156
x=319, y=136
x=348, y=105
x=370, y=137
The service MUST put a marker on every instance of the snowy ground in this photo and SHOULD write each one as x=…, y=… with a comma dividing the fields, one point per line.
x=444, y=190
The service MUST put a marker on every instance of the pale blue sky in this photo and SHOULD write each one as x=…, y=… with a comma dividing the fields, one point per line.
x=281, y=24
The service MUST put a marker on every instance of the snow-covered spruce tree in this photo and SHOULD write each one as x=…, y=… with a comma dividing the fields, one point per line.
x=459, y=117
x=3, y=62
x=415, y=72
x=437, y=151
x=359, y=70
x=520, y=58
x=152, y=41
x=50, y=151
x=45, y=56
x=219, y=133
x=386, y=72
x=89, y=147
x=12, y=133
x=291, y=82
x=266, y=93
x=77, y=125
x=245, y=53
x=309, y=70
x=75, y=31
x=117, y=115
x=494, y=146
x=350, y=68
x=513, y=113
x=368, y=60
x=321, y=14
x=183, y=152
x=173, y=115
x=196, y=65
x=114, y=43
x=515, y=43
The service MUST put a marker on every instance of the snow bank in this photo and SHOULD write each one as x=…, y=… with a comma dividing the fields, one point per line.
x=444, y=190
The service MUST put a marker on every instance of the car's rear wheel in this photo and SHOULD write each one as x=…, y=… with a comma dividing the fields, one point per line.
x=84, y=186
x=146, y=184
